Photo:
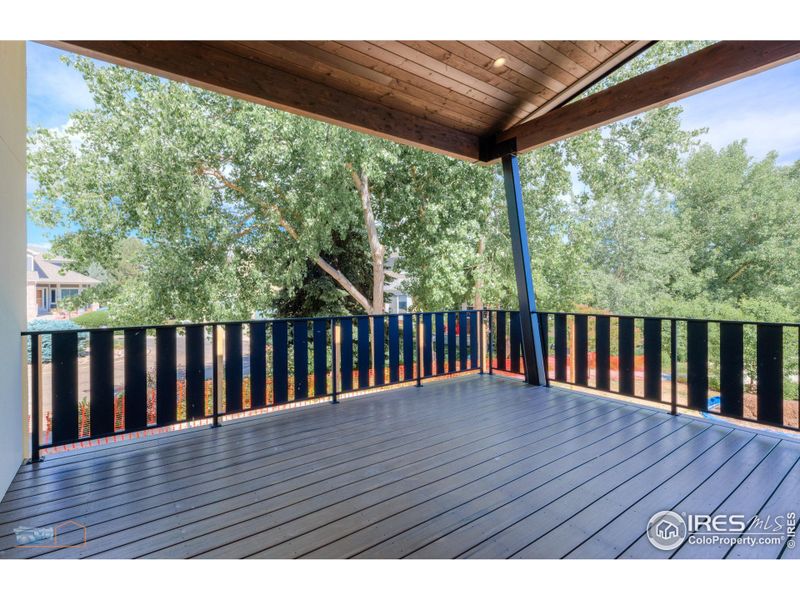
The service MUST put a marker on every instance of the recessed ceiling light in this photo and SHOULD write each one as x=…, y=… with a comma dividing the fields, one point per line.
x=499, y=62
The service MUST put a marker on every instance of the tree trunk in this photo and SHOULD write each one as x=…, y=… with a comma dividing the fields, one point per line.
x=479, y=274
x=376, y=249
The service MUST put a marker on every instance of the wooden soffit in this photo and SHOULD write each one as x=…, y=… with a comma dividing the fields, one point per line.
x=472, y=100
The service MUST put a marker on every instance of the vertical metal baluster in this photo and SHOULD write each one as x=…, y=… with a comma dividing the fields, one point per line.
x=36, y=393
x=335, y=341
x=673, y=352
x=769, y=372
x=419, y=350
x=480, y=339
x=215, y=375
x=489, y=328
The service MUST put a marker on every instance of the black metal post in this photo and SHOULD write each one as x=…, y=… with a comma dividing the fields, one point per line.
x=673, y=359
x=36, y=393
x=419, y=350
x=215, y=376
x=529, y=320
x=334, y=363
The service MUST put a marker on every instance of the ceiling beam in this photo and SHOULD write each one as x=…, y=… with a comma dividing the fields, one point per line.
x=601, y=71
x=207, y=66
x=714, y=65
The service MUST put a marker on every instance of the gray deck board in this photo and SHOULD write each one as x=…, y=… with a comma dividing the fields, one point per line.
x=476, y=466
x=600, y=539
x=259, y=445
x=404, y=531
x=784, y=495
x=748, y=498
x=660, y=480
x=214, y=514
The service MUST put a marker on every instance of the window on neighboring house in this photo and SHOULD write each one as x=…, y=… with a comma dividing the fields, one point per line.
x=402, y=303
x=53, y=296
x=69, y=292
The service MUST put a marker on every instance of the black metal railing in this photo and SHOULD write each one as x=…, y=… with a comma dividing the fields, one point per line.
x=96, y=383
x=504, y=342
x=744, y=370
x=86, y=384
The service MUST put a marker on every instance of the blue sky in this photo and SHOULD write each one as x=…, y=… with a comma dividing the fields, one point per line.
x=762, y=108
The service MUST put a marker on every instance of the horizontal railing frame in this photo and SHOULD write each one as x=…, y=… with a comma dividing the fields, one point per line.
x=664, y=318
x=333, y=376
x=29, y=332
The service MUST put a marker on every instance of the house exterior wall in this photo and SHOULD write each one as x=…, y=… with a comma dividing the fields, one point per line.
x=31, y=308
x=12, y=255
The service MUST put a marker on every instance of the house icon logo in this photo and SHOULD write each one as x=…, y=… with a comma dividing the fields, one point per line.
x=77, y=529
x=666, y=530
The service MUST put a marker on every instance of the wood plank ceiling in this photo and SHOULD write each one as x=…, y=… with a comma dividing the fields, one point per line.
x=455, y=84
x=450, y=93
x=469, y=99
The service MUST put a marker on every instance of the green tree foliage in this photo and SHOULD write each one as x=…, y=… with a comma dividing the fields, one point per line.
x=628, y=176
x=318, y=295
x=742, y=226
x=234, y=202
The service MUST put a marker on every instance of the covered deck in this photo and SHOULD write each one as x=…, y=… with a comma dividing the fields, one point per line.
x=472, y=466
x=475, y=465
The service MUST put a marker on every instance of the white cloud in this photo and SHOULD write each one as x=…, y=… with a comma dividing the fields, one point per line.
x=55, y=90
x=764, y=131
x=63, y=82
x=762, y=109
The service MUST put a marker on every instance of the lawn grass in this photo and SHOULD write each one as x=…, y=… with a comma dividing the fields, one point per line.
x=97, y=318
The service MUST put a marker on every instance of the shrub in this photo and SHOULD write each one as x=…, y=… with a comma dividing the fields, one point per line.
x=47, y=325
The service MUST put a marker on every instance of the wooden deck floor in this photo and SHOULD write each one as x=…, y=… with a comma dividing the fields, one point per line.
x=477, y=466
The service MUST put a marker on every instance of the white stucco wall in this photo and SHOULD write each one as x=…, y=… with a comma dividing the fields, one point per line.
x=12, y=254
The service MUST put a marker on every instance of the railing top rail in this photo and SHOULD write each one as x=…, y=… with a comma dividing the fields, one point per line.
x=662, y=318
x=215, y=323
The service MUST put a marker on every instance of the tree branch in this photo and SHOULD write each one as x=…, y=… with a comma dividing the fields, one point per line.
x=737, y=273
x=323, y=264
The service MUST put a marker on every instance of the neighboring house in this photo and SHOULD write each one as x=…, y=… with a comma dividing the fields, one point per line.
x=398, y=301
x=49, y=282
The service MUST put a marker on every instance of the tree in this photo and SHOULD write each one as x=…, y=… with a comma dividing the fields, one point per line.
x=233, y=201
x=599, y=212
x=742, y=225
x=629, y=173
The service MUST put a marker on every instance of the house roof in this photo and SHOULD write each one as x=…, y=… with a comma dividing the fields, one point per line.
x=46, y=272
x=474, y=100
